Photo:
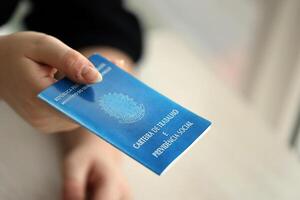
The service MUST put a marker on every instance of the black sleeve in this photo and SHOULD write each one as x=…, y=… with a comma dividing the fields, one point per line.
x=82, y=23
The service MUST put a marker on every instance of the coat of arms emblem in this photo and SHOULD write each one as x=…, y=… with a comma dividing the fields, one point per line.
x=121, y=107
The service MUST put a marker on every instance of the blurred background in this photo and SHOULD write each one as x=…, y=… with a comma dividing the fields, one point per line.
x=235, y=62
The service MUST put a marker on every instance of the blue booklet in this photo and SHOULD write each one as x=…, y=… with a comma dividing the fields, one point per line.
x=128, y=114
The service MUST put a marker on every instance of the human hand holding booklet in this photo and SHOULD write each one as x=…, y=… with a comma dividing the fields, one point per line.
x=128, y=114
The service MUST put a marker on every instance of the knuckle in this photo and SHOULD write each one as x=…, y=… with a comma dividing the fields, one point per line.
x=42, y=39
x=71, y=60
x=38, y=41
x=68, y=161
x=38, y=123
x=70, y=57
x=73, y=189
x=71, y=160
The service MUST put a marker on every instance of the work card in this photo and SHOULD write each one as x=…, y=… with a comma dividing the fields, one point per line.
x=129, y=115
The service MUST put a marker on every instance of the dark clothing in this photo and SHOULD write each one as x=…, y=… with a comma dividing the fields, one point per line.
x=82, y=23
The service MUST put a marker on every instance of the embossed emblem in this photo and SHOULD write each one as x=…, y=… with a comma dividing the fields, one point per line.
x=121, y=107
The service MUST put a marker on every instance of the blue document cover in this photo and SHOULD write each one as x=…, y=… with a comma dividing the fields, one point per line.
x=128, y=114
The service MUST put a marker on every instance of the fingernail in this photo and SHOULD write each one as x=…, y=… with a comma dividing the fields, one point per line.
x=91, y=74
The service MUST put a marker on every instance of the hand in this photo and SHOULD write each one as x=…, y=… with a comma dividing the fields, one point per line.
x=28, y=62
x=92, y=169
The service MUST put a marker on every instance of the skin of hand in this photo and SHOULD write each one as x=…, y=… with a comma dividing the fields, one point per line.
x=28, y=62
x=92, y=167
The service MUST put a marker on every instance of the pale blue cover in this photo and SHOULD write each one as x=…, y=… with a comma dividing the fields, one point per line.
x=128, y=114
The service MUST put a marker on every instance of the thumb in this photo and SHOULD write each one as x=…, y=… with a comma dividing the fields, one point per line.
x=51, y=51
